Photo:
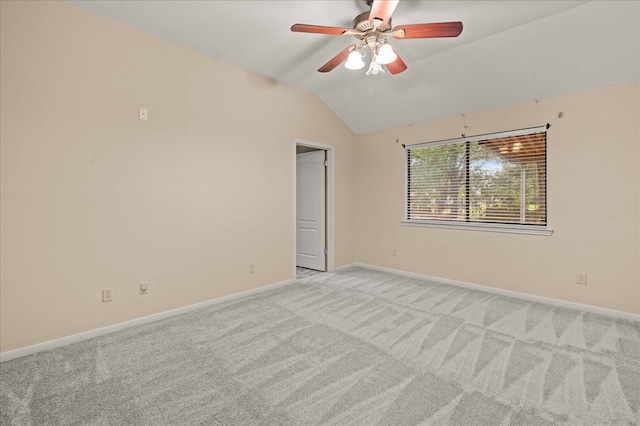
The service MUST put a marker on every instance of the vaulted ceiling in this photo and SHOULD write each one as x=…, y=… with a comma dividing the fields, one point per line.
x=508, y=52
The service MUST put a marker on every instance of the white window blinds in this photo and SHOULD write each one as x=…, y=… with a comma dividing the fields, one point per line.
x=498, y=178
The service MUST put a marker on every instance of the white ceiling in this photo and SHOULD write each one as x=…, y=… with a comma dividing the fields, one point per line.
x=508, y=52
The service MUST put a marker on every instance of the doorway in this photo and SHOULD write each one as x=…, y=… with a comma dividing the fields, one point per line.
x=313, y=206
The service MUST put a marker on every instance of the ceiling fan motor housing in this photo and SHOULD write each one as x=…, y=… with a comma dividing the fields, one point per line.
x=362, y=24
x=368, y=34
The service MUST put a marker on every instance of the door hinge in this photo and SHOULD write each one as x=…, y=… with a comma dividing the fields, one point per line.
x=326, y=163
x=325, y=252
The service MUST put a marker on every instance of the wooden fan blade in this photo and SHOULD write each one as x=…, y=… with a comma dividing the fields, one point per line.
x=439, y=29
x=397, y=66
x=381, y=10
x=336, y=60
x=319, y=29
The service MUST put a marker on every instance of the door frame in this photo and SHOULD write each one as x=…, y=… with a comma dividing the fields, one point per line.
x=329, y=193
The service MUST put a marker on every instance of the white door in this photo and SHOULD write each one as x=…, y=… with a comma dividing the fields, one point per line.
x=310, y=210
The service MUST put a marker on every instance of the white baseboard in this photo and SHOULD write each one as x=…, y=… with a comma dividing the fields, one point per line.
x=51, y=344
x=86, y=335
x=510, y=293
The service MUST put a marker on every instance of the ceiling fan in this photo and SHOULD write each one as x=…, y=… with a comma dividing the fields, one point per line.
x=371, y=29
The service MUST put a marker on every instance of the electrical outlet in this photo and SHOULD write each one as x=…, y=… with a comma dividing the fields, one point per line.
x=252, y=268
x=581, y=278
x=144, y=288
x=107, y=295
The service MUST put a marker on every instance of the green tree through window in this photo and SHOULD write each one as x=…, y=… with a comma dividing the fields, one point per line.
x=496, y=180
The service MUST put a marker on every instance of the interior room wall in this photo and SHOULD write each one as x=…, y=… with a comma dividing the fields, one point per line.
x=93, y=197
x=593, y=204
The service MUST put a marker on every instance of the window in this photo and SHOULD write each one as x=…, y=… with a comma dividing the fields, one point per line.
x=494, y=182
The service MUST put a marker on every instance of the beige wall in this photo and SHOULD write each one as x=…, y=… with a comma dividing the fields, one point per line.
x=92, y=197
x=593, y=203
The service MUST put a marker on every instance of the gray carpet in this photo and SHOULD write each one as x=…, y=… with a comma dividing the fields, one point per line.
x=305, y=272
x=356, y=347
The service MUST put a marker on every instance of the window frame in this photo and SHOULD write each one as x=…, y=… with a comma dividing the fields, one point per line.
x=477, y=226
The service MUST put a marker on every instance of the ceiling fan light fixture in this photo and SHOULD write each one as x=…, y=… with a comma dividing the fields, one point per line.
x=386, y=55
x=355, y=61
x=375, y=68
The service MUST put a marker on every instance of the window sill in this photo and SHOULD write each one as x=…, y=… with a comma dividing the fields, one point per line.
x=487, y=227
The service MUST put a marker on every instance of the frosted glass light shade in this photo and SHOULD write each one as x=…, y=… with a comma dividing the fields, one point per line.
x=386, y=55
x=354, y=62
x=375, y=68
